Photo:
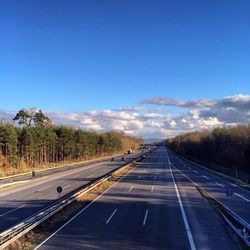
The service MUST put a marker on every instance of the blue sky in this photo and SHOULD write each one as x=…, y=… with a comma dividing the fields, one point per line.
x=76, y=56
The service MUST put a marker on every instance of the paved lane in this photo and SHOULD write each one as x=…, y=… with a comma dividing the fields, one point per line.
x=239, y=202
x=142, y=211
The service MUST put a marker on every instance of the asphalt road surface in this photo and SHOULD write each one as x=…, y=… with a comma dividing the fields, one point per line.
x=152, y=207
x=22, y=201
x=239, y=200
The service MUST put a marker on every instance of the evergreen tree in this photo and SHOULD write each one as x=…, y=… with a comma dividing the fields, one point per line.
x=9, y=144
x=35, y=142
x=29, y=117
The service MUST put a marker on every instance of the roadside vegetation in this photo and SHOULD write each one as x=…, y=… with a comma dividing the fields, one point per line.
x=35, y=141
x=228, y=147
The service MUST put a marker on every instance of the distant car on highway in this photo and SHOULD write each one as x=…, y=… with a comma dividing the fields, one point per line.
x=112, y=159
x=122, y=159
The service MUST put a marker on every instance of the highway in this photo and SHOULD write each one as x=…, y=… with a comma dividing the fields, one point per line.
x=19, y=202
x=238, y=201
x=152, y=207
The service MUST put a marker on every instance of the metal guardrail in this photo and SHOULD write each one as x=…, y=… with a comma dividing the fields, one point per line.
x=238, y=225
x=9, y=236
x=242, y=232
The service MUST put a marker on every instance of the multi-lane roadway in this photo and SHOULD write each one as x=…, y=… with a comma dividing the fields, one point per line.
x=230, y=195
x=19, y=202
x=155, y=206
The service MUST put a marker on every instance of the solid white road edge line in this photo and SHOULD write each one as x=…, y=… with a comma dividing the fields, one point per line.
x=183, y=213
x=110, y=217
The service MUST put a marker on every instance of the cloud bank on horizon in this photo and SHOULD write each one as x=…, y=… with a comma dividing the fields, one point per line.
x=152, y=120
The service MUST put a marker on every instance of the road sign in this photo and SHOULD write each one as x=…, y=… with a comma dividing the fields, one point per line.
x=59, y=190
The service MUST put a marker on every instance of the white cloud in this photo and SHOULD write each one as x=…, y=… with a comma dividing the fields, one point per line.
x=172, y=124
x=153, y=124
x=138, y=109
x=230, y=109
x=104, y=120
x=177, y=102
x=210, y=122
x=148, y=123
x=194, y=114
x=152, y=116
x=237, y=101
